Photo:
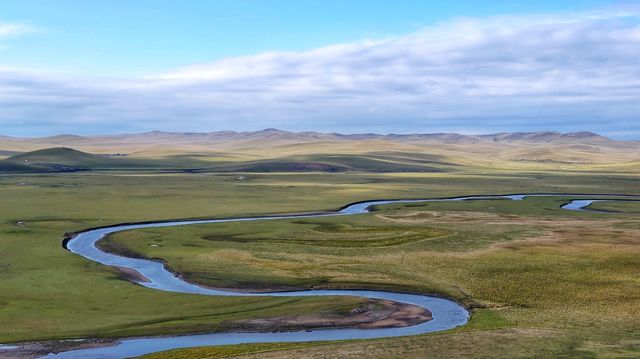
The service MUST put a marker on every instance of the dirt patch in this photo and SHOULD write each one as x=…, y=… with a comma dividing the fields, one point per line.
x=131, y=275
x=374, y=314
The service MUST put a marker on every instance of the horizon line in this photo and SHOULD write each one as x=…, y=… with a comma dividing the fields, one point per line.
x=335, y=133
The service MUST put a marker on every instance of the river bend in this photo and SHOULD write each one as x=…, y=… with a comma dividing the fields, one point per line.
x=446, y=314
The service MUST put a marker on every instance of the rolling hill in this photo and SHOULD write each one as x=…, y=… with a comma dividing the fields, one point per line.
x=59, y=159
x=273, y=150
x=63, y=159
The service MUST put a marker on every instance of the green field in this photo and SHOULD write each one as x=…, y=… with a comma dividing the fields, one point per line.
x=533, y=295
x=630, y=207
x=527, y=266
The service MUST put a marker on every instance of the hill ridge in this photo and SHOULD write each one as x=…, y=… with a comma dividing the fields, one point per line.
x=273, y=133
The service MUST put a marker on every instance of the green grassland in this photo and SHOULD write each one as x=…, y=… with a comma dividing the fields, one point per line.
x=553, y=282
x=47, y=292
x=630, y=207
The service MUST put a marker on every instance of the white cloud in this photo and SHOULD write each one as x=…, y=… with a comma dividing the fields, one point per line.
x=14, y=29
x=564, y=71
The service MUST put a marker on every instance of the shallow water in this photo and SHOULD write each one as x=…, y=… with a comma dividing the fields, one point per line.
x=580, y=205
x=446, y=313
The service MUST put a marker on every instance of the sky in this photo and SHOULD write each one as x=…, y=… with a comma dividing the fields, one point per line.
x=120, y=66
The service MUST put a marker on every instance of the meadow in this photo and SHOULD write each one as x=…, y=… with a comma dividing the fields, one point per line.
x=630, y=207
x=531, y=271
x=481, y=254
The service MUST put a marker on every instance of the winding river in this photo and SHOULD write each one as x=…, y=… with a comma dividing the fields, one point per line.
x=446, y=314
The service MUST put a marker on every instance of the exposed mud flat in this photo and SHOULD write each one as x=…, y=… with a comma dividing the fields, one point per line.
x=375, y=314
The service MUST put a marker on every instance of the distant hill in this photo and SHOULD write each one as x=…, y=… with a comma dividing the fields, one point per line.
x=62, y=139
x=273, y=150
x=9, y=167
x=547, y=136
x=272, y=134
x=63, y=159
x=374, y=162
x=61, y=155
x=275, y=135
x=58, y=159
x=8, y=153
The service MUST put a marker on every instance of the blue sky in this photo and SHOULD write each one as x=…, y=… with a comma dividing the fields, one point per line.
x=125, y=66
x=142, y=36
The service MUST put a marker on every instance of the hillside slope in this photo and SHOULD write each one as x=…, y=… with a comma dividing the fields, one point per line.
x=273, y=150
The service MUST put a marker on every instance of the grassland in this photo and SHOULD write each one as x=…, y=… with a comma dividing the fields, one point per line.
x=551, y=283
x=49, y=293
x=273, y=150
x=630, y=207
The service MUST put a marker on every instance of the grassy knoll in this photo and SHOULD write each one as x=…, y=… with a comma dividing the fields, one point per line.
x=62, y=159
x=47, y=292
x=547, y=282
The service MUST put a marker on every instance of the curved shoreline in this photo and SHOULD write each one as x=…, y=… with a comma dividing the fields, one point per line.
x=447, y=314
